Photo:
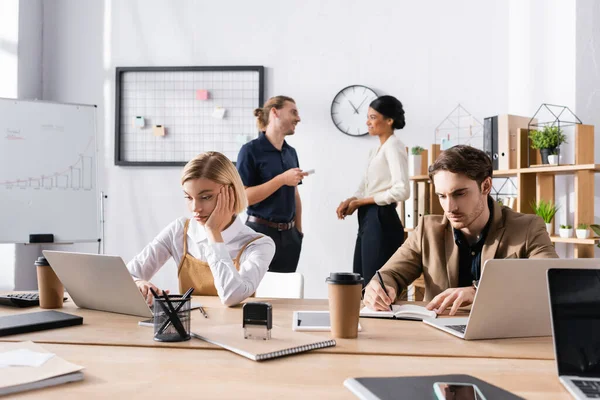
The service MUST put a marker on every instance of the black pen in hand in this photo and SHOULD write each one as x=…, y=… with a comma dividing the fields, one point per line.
x=384, y=289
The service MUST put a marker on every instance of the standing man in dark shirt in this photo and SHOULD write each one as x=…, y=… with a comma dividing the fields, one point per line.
x=270, y=172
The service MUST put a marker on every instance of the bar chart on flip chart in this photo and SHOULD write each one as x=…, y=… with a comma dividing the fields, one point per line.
x=48, y=172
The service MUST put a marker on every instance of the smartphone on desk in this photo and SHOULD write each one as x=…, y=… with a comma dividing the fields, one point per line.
x=457, y=391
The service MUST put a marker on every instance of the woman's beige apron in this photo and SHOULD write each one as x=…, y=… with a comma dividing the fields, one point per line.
x=196, y=273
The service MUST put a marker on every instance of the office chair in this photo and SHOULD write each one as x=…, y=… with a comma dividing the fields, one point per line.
x=281, y=285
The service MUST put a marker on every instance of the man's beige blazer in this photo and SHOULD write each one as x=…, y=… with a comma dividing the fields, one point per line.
x=431, y=249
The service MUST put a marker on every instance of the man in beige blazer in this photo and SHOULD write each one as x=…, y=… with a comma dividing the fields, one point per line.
x=449, y=250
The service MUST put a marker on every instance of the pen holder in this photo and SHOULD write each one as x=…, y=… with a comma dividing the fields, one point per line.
x=172, y=319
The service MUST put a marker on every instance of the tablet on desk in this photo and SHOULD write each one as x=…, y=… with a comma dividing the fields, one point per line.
x=312, y=321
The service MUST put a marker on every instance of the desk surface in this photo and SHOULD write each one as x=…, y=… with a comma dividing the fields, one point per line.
x=378, y=337
x=154, y=373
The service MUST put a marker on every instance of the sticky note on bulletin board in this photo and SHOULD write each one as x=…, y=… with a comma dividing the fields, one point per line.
x=201, y=94
x=159, y=130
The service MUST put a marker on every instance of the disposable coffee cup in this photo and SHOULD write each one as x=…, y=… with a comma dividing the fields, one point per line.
x=344, y=290
x=50, y=287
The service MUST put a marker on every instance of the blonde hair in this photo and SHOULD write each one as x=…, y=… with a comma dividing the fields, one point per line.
x=262, y=114
x=216, y=167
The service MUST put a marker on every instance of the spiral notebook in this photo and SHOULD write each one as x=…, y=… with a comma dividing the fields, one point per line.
x=283, y=342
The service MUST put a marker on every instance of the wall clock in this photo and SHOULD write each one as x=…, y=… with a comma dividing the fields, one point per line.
x=349, y=109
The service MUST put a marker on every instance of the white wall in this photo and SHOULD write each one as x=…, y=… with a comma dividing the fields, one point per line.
x=492, y=57
x=9, y=41
x=30, y=49
x=588, y=76
x=430, y=60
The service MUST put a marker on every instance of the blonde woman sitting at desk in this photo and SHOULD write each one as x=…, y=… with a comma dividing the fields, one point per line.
x=216, y=253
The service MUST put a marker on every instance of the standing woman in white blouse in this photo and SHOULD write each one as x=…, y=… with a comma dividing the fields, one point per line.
x=380, y=232
x=216, y=253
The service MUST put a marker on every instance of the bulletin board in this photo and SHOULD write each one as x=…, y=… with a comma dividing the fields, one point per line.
x=165, y=116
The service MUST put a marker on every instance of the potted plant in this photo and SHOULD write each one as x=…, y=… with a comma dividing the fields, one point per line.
x=566, y=231
x=546, y=210
x=414, y=161
x=547, y=141
x=582, y=231
x=553, y=156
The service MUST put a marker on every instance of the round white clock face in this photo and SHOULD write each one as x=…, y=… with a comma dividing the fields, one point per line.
x=349, y=109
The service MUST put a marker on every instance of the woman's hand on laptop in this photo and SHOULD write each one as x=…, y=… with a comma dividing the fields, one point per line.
x=375, y=297
x=144, y=287
x=458, y=297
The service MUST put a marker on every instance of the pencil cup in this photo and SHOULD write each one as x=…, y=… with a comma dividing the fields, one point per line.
x=172, y=319
x=344, y=303
x=50, y=287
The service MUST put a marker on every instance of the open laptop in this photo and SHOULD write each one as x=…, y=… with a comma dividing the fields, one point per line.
x=575, y=315
x=98, y=282
x=511, y=300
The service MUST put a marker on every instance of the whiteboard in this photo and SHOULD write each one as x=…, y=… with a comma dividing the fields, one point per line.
x=48, y=171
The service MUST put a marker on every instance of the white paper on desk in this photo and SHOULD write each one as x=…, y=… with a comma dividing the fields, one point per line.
x=23, y=358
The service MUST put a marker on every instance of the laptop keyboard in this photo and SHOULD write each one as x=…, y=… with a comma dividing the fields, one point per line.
x=458, y=328
x=591, y=389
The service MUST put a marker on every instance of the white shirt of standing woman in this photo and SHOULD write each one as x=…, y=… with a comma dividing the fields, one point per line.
x=236, y=286
x=386, y=178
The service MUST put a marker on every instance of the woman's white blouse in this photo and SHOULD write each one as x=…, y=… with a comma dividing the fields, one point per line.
x=386, y=178
x=232, y=286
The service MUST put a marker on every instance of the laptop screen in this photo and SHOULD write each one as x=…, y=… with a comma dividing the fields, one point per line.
x=575, y=304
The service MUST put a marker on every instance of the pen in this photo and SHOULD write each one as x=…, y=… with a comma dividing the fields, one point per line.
x=383, y=287
x=203, y=312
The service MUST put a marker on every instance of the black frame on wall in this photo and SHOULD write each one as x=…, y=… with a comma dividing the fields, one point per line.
x=119, y=160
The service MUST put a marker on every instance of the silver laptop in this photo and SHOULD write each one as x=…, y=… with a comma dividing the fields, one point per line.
x=575, y=315
x=511, y=300
x=98, y=282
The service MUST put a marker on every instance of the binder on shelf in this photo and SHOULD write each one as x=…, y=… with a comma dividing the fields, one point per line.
x=422, y=199
x=410, y=208
x=501, y=139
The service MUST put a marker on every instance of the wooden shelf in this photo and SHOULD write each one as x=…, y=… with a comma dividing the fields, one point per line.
x=574, y=240
x=560, y=169
x=547, y=169
x=419, y=178
x=507, y=173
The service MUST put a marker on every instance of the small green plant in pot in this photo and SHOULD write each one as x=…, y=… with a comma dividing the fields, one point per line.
x=547, y=141
x=582, y=231
x=546, y=210
x=566, y=231
x=414, y=161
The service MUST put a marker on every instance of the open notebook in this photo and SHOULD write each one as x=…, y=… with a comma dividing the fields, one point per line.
x=27, y=366
x=404, y=311
x=283, y=342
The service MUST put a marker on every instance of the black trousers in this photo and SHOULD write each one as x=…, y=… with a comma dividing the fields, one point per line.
x=287, y=246
x=380, y=234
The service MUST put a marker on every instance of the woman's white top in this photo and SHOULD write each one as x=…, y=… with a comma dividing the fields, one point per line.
x=386, y=178
x=232, y=286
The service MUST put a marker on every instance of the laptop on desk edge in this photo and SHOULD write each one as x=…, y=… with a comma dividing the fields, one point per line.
x=511, y=300
x=98, y=282
x=574, y=297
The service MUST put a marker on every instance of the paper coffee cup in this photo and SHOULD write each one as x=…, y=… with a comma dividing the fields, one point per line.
x=344, y=290
x=50, y=287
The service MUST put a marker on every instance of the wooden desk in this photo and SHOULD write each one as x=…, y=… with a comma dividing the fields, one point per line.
x=155, y=373
x=378, y=337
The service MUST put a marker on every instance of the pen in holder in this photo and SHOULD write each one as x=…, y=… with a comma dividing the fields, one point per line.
x=172, y=317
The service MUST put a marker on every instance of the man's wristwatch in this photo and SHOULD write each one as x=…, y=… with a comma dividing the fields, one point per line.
x=475, y=284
